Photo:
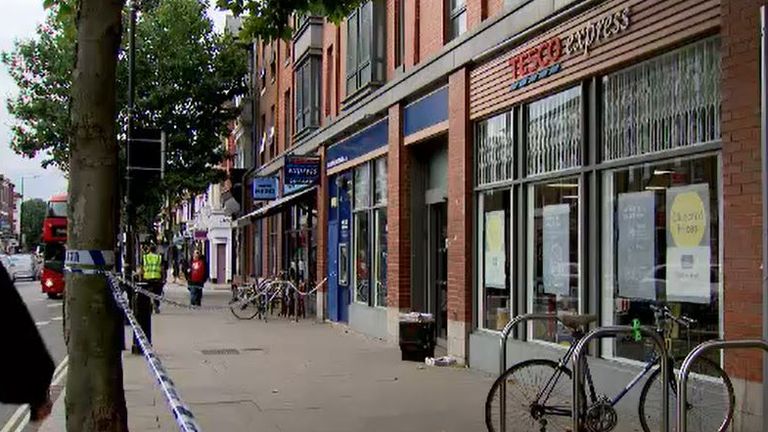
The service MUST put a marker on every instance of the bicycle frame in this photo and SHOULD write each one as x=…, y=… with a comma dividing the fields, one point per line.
x=550, y=385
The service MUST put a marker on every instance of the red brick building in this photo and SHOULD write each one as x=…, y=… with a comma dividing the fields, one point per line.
x=7, y=209
x=482, y=159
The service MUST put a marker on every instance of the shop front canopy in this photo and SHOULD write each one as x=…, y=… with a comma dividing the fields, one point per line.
x=276, y=206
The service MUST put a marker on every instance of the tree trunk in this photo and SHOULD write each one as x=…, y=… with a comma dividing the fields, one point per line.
x=95, y=399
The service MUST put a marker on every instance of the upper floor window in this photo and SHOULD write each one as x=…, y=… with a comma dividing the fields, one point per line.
x=307, y=91
x=457, y=18
x=365, y=45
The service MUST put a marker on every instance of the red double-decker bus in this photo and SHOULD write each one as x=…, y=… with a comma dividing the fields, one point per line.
x=54, y=246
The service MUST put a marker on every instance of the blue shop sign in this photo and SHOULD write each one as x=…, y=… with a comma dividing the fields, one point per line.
x=300, y=172
x=264, y=188
x=366, y=141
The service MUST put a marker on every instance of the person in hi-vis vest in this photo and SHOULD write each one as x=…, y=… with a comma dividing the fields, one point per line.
x=153, y=274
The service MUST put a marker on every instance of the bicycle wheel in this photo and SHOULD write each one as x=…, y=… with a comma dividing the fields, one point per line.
x=710, y=400
x=523, y=383
x=248, y=309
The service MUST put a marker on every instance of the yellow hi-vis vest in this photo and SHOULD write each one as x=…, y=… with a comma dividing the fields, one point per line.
x=152, y=266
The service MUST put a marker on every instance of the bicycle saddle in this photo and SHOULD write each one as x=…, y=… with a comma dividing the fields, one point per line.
x=576, y=322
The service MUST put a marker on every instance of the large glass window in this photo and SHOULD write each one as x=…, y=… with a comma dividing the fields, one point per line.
x=365, y=45
x=495, y=149
x=362, y=258
x=370, y=231
x=661, y=245
x=308, y=79
x=457, y=18
x=494, y=277
x=664, y=103
x=554, y=132
x=553, y=253
x=380, y=230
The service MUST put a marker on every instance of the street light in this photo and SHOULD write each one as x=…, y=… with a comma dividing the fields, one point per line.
x=21, y=209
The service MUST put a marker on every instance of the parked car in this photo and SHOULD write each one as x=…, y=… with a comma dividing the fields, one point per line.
x=25, y=266
x=9, y=266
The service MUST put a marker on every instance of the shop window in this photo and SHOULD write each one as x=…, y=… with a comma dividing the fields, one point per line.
x=273, y=222
x=361, y=200
x=664, y=103
x=555, y=132
x=457, y=18
x=661, y=245
x=553, y=251
x=308, y=83
x=380, y=230
x=495, y=147
x=370, y=233
x=494, y=275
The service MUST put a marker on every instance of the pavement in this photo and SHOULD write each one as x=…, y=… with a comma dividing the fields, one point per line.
x=283, y=376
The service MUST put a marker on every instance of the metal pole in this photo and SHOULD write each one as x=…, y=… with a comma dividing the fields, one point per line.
x=503, y=359
x=21, y=216
x=578, y=372
x=764, y=154
x=685, y=369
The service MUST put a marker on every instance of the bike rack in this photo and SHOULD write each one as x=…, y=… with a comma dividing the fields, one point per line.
x=578, y=362
x=685, y=370
x=503, y=356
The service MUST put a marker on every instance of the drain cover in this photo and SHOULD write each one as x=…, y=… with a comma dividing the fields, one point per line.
x=225, y=351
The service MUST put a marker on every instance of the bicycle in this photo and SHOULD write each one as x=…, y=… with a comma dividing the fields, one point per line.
x=538, y=391
x=248, y=299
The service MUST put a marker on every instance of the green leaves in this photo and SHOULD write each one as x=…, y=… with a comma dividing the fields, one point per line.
x=271, y=19
x=32, y=215
x=186, y=75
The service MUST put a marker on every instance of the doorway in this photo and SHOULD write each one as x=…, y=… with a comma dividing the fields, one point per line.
x=437, y=251
x=221, y=263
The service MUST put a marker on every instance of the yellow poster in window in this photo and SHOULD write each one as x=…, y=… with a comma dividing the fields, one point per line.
x=495, y=254
x=688, y=248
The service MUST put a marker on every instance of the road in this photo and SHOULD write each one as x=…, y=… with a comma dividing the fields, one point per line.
x=47, y=314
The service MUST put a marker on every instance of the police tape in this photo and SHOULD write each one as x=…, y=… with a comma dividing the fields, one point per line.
x=181, y=412
x=163, y=299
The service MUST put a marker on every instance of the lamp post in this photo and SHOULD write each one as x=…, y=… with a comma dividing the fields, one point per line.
x=21, y=209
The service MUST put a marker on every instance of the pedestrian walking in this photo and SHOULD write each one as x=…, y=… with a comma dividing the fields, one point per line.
x=198, y=275
x=26, y=367
x=154, y=276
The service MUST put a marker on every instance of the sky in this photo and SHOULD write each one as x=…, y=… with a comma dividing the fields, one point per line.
x=18, y=20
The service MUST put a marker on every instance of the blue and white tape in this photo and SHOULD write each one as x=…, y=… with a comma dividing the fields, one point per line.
x=89, y=261
x=181, y=412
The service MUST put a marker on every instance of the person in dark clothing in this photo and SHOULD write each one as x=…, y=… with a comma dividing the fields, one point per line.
x=26, y=369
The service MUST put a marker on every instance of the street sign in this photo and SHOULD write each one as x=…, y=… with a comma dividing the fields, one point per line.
x=146, y=150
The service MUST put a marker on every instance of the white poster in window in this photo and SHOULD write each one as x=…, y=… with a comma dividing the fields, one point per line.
x=635, y=217
x=556, y=249
x=688, y=248
x=495, y=253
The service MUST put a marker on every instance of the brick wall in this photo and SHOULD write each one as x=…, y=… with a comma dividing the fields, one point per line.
x=477, y=11
x=459, y=200
x=284, y=83
x=331, y=66
x=398, y=216
x=494, y=7
x=431, y=32
x=741, y=179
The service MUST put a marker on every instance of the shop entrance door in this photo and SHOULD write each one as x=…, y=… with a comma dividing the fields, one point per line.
x=221, y=263
x=438, y=268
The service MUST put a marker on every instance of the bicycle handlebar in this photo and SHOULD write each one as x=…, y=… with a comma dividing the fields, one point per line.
x=665, y=312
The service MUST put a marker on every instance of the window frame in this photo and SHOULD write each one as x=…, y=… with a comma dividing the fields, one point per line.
x=453, y=15
x=307, y=104
x=370, y=210
x=366, y=63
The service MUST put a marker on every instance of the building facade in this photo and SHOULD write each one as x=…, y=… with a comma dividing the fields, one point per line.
x=482, y=159
x=8, y=199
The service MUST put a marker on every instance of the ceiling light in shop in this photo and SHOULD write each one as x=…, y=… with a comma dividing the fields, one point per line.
x=573, y=197
x=563, y=185
x=655, y=188
x=662, y=172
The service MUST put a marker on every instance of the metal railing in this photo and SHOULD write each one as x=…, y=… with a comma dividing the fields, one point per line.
x=685, y=370
x=503, y=357
x=578, y=363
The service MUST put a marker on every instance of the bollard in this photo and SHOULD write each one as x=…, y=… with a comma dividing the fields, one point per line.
x=578, y=363
x=503, y=358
